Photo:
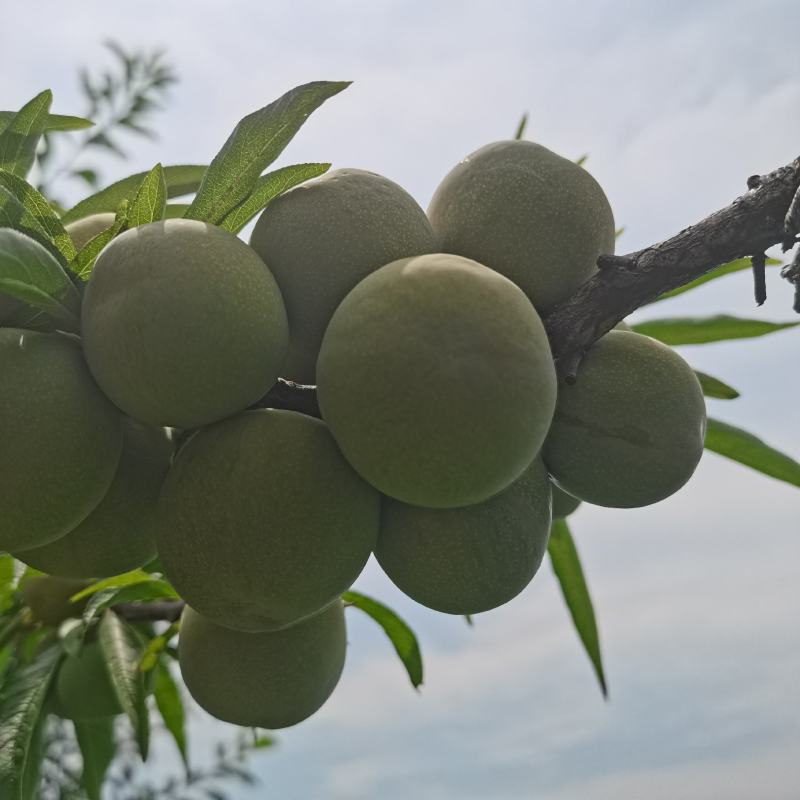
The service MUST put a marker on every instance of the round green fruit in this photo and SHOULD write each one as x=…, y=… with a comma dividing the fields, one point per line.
x=563, y=504
x=83, y=230
x=119, y=535
x=630, y=431
x=61, y=439
x=322, y=237
x=540, y=219
x=83, y=687
x=49, y=598
x=8, y=306
x=265, y=680
x=436, y=378
x=183, y=324
x=262, y=522
x=473, y=559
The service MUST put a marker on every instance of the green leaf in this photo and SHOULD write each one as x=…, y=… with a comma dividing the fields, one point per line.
x=7, y=575
x=267, y=188
x=83, y=264
x=170, y=706
x=724, y=269
x=40, y=212
x=131, y=578
x=15, y=216
x=523, y=123
x=52, y=122
x=31, y=274
x=156, y=646
x=255, y=143
x=741, y=446
x=96, y=742
x=400, y=635
x=701, y=330
x=20, y=137
x=181, y=179
x=714, y=387
x=144, y=592
x=122, y=651
x=569, y=573
x=175, y=210
x=150, y=200
x=21, y=702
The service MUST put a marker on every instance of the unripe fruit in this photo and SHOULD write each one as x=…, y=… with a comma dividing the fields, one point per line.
x=563, y=503
x=630, y=431
x=183, y=324
x=119, y=535
x=528, y=213
x=265, y=680
x=83, y=230
x=61, y=439
x=49, y=598
x=473, y=559
x=83, y=687
x=436, y=378
x=262, y=522
x=322, y=237
x=8, y=305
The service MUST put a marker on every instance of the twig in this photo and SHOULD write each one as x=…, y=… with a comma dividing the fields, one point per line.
x=167, y=610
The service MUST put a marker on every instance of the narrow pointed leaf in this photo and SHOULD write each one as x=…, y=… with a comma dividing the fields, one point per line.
x=96, y=742
x=255, y=143
x=714, y=387
x=20, y=137
x=741, y=446
x=84, y=261
x=180, y=179
x=41, y=212
x=122, y=651
x=523, y=123
x=267, y=188
x=52, y=122
x=21, y=701
x=170, y=706
x=115, y=582
x=569, y=573
x=701, y=330
x=150, y=200
x=400, y=635
x=14, y=215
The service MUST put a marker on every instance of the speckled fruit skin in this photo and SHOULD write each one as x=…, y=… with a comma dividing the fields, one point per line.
x=528, y=213
x=322, y=237
x=119, y=535
x=61, y=439
x=83, y=230
x=83, y=687
x=266, y=680
x=49, y=598
x=473, y=559
x=262, y=522
x=630, y=431
x=183, y=324
x=563, y=504
x=436, y=378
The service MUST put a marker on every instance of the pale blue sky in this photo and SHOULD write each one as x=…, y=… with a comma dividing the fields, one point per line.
x=697, y=597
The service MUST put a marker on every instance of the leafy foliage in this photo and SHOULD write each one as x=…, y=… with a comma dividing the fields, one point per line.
x=692, y=330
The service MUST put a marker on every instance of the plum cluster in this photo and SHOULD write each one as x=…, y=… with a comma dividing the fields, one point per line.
x=447, y=441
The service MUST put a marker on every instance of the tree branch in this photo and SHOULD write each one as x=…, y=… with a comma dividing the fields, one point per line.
x=166, y=610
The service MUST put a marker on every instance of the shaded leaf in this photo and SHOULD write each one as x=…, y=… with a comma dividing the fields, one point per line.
x=400, y=635
x=701, y=330
x=170, y=706
x=741, y=446
x=523, y=123
x=20, y=137
x=89, y=175
x=84, y=261
x=131, y=578
x=7, y=575
x=267, y=188
x=122, y=651
x=569, y=573
x=150, y=200
x=714, y=387
x=96, y=743
x=175, y=210
x=52, y=122
x=180, y=179
x=15, y=216
x=255, y=143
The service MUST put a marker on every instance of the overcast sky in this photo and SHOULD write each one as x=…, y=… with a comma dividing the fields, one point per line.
x=698, y=597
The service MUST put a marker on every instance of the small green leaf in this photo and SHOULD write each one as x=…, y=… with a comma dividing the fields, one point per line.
x=89, y=175
x=175, y=210
x=96, y=742
x=255, y=143
x=569, y=573
x=31, y=274
x=523, y=123
x=114, y=582
x=20, y=137
x=724, y=269
x=400, y=635
x=181, y=179
x=7, y=581
x=170, y=706
x=267, y=188
x=581, y=160
x=741, y=446
x=156, y=646
x=52, y=122
x=150, y=200
x=701, y=330
x=122, y=651
x=714, y=387
x=83, y=264
x=21, y=701
x=15, y=216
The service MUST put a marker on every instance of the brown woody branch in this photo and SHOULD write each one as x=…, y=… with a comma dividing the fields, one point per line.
x=166, y=610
